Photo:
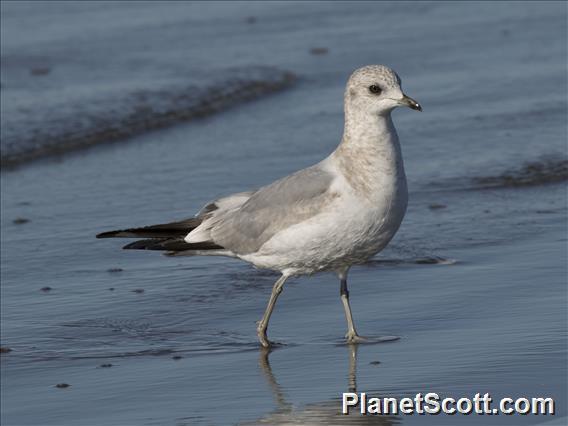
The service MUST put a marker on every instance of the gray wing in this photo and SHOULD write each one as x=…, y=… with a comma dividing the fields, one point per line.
x=272, y=208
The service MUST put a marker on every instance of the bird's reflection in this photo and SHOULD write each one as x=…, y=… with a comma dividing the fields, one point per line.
x=326, y=412
x=279, y=398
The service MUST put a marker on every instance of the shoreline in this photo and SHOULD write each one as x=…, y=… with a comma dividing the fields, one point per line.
x=143, y=111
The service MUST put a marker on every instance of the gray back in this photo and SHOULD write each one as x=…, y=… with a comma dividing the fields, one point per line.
x=272, y=208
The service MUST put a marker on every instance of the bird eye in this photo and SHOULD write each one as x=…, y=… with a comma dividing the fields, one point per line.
x=374, y=89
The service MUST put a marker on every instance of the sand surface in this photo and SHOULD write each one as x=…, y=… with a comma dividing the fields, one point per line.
x=474, y=283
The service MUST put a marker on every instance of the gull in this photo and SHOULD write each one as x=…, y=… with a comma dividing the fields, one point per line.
x=335, y=214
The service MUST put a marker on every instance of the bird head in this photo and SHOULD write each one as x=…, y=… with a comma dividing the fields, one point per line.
x=377, y=89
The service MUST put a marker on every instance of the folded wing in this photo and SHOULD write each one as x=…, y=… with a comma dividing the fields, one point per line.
x=271, y=209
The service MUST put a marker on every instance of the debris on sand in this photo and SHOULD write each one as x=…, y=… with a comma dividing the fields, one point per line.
x=436, y=206
x=62, y=385
x=39, y=71
x=316, y=51
x=433, y=260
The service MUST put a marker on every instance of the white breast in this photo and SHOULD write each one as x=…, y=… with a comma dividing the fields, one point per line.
x=350, y=231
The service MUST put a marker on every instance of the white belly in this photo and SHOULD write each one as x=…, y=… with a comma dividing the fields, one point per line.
x=350, y=231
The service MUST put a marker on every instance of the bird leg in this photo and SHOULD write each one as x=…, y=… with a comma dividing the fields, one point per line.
x=351, y=336
x=262, y=325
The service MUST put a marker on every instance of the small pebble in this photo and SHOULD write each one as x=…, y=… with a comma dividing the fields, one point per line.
x=177, y=357
x=319, y=51
x=62, y=385
x=111, y=289
x=138, y=290
x=40, y=71
x=46, y=289
x=375, y=362
x=20, y=220
x=436, y=206
x=5, y=349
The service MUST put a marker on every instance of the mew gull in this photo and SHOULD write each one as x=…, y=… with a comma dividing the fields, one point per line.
x=337, y=213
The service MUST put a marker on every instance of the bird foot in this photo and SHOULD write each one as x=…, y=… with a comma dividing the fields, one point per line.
x=268, y=344
x=353, y=337
x=263, y=338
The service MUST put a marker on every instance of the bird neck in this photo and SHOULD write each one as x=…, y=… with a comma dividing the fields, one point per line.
x=364, y=129
x=370, y=151
x=370, y=138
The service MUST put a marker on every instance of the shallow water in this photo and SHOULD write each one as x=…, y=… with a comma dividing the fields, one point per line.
x=474, y=282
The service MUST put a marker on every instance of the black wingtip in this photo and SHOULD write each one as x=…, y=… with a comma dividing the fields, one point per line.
x=151, y=244
x=166, y=230
x=109, y=234
x=170, y=245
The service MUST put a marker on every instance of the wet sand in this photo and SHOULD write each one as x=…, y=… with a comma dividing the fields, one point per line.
x=474, y=283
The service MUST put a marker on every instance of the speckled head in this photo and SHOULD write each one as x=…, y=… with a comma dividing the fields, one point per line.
x=376, y=89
